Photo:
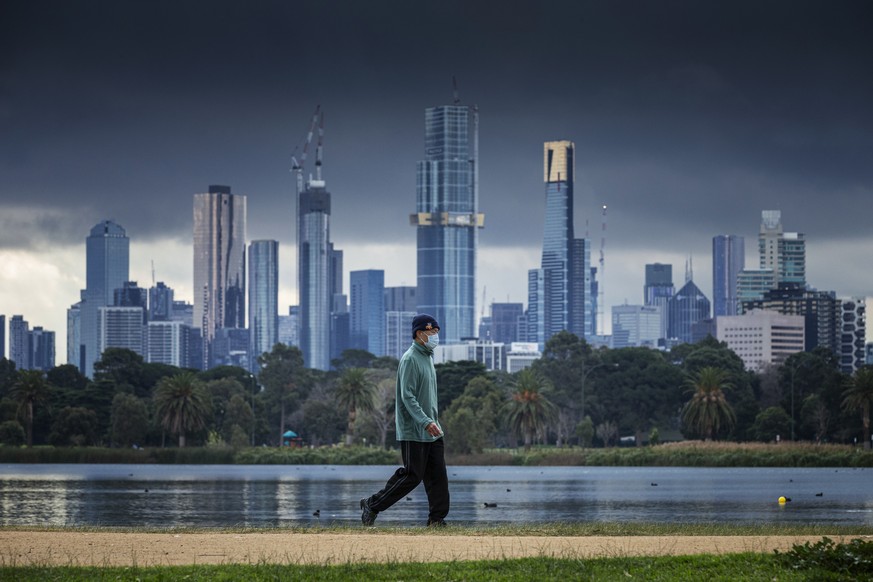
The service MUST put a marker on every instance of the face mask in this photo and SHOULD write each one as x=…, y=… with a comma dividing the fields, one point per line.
x=433, y=341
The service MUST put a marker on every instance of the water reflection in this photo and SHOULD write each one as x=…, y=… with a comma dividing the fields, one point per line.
x=268, y=496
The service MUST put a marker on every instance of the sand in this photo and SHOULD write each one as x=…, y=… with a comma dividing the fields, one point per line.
x=20, y=548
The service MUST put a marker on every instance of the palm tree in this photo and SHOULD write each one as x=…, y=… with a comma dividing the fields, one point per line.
x=708, y=411
x=858, y=395
x=182, y=404
x=31, y=388
x=529, y=411
x=355, y=392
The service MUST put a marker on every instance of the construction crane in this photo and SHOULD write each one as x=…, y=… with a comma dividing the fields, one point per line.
x=297, y=167
x=319, y=147
x=600, y=327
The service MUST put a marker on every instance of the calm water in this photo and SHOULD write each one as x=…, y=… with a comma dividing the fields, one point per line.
x=263, y=496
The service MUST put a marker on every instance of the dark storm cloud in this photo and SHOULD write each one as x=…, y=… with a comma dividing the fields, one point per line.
x=688, y=117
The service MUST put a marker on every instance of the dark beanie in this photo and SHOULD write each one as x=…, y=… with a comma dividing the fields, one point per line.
x=422, y=322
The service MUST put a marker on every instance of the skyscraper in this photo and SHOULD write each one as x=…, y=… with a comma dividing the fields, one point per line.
x=658, y=290
x=505, y=318
x=219, y=263
x=263, y=297
x=107, y=267
x=565, y=297
x=367, y=311
x=687, y=307
x=18, y=348
x=783, y=252
x=728, y=259
x=41, y=345
x=2, y=336
x=120, y=327
x=447, y=218
x=316, y=260
x=160, y=302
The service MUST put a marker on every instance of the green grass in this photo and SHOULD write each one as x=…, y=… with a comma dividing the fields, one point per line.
x=730, y=568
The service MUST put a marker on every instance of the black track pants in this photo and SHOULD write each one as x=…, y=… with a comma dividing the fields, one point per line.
x=421, y=462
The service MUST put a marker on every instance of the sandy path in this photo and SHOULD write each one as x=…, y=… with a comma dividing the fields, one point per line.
x=19, y=548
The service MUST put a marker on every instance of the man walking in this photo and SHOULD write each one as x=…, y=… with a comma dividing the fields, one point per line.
x=418, y=430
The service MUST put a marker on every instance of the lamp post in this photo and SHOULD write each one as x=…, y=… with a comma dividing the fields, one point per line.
x=254, y=385
x=585, y=374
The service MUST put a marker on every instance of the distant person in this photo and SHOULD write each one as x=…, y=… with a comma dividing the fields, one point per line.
x=418, y=430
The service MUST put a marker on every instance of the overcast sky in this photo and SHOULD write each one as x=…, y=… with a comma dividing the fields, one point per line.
x=689, y=118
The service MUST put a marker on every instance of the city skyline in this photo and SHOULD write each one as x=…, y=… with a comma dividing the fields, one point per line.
x=687, y=128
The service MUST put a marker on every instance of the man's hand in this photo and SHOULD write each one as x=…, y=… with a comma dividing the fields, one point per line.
x=433, y=430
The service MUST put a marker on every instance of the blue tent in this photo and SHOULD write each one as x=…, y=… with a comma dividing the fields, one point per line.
x=289, y=434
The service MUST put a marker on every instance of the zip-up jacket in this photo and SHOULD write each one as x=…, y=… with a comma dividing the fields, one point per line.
x=416, y=403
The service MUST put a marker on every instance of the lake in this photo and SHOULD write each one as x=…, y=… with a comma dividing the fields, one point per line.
x=285, y=495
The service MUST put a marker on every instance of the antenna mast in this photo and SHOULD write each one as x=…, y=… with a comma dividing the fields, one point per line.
x=600, y=326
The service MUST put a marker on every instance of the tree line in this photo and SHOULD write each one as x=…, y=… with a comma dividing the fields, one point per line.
x=573, y=395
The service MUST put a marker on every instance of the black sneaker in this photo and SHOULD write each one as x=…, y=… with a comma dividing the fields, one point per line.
x=436, y=523
x=368, y=516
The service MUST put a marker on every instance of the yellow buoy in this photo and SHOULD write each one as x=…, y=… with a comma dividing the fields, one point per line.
x=782, y=500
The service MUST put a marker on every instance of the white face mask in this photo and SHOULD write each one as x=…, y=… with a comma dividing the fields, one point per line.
x=433, y=341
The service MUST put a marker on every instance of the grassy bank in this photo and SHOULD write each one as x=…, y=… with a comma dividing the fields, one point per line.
x=685, y=454
x=714, y=568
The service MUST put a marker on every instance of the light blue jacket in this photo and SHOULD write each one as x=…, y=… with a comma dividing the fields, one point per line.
x=416, y=404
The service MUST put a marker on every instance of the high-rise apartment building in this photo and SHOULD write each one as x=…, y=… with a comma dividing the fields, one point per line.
x=132, y=295
x=506, y=318
x=565, y=297
x=821, y=311
x=316, y=273
x=219, y=263
x=167, y=342
x=288, y=326
x=782, y=252
x=367, y=311
x=853, y=331
x=398, y=332
x=18, y=346
x=728, y=259
x=120, y=327
x=263, y=297
x=658, y=290
x=41, y=345
x=447, y=219
x=2, y=336
x=107, y=267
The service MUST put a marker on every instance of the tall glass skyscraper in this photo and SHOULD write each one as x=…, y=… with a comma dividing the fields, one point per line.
x=367, y=311
x=728, y=259
x=219, y=263
x=564, y=302
x=658, y=290
x=263, y=298
x=447, y=218
x=107, y=267
x=315, y=280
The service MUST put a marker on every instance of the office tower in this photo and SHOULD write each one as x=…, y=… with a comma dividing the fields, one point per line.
x=565, y=297
x=821, y=311
x=316, y=273
x=485, y=352
x=728, y=259
x=595, y=306
x=447, y=218
x=74, y=335
x=288, y=325
x=230, y=347
x=505, y=318
x=688, y=306
x=160, y=302
x=18, y=349
x=398, y=332
x=2, y=336
x=107, y=258
x=184, y=312
x=485, y=328
x=752, y=284
x=263, y=298
x=761, y=338
x=41, y=345
x=120, y=327
x=401, y=299
x=535, y=324
x=853, y=332
x=636, y=325
x=219, y=263
x=367, y=311
x=658, y=290
x=167, y=342
x=782, y=252
x=132, y=295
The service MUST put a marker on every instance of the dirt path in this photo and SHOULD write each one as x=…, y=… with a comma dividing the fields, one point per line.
x=20, y=548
